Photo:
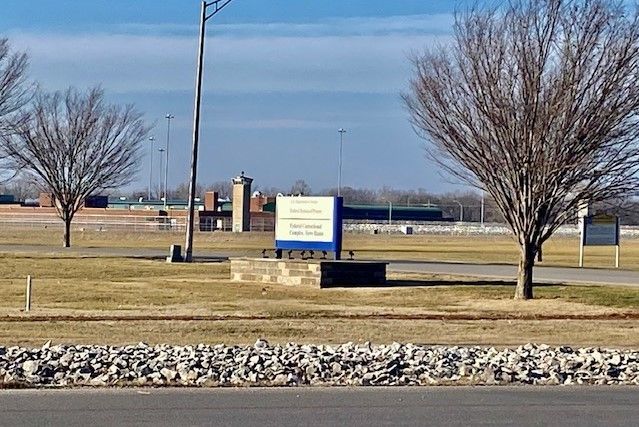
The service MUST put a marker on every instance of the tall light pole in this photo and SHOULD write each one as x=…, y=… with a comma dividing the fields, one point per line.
x=341, y=131
x=217, y=6
x=161, y=151
x=152, y=140
x=168, y=118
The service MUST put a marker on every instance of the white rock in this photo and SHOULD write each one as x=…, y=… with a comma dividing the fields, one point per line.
x=30, y=367
x=168, y=374
x=260, y=343
x=615, y=360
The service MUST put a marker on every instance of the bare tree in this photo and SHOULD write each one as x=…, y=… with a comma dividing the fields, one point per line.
x=181, y=192
x=300, y=187
x=224, y=188
x=74, y=145
x=537, y=104
x=353, y=195
x=14, y=88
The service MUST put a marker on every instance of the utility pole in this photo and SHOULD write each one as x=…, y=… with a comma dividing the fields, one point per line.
x=166, y=165
x=341, y=131
x=152, y=139
x=161, y=151
x=217, y=6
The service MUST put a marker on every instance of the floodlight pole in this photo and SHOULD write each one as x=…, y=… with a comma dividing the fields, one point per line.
x=217, y=5
x=341, y=131
x=161, y=151
x=152, y=139
x=166, y=164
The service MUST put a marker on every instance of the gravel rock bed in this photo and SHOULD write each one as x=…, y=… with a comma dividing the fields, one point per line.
x=303, y=365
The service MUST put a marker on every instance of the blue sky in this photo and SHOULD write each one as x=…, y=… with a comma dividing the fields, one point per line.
x=281, y=77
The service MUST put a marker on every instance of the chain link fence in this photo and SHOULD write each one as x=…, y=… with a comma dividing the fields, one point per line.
x=133, y=223
x=138, y=223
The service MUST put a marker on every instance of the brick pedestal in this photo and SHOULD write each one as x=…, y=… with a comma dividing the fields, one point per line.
x=319, y=273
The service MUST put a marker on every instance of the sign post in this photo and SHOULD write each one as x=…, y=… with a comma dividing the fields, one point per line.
x=27, y=303
x=599, y=230
x=309, y=223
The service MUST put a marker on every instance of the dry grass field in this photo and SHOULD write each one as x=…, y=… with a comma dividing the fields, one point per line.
x=123, y=300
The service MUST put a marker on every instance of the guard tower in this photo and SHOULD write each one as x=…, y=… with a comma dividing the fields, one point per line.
x=242, y=203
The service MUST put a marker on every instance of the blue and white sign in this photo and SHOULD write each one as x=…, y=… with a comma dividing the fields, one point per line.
x=309, y=223
x=600, y=230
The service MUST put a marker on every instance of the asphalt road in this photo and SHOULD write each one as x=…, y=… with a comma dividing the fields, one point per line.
x=521, y=406
x=542, y=274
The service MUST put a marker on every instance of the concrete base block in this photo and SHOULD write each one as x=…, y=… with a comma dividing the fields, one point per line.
x=318, y=273
x=175, y=254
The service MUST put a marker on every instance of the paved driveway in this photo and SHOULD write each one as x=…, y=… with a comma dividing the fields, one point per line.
x=509, y=272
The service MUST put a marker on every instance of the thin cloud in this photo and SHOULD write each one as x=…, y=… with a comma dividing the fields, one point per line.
x=269, y=124
x=125, y=62
x=435, y=24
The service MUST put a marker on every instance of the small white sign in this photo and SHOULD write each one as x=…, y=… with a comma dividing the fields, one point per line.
x=305, y=219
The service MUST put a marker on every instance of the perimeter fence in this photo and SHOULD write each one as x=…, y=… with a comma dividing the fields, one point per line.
x=132, y=223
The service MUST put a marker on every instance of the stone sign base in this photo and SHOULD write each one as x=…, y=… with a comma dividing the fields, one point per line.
x=312, y=272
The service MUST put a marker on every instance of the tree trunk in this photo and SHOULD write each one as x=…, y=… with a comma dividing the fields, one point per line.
x=540, y=255
x=524, y=289
x=67, y=233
